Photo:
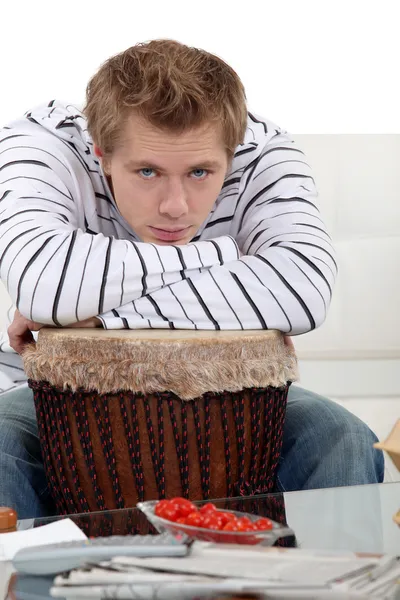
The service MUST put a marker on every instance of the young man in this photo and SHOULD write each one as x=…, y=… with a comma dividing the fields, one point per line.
x=166, y=205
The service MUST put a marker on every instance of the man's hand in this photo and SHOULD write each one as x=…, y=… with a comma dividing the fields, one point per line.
x=20, y=330
x=289, y=342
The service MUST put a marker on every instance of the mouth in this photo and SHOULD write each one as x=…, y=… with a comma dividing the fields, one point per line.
x=169, y=235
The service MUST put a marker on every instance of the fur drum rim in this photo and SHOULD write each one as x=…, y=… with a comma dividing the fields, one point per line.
x=185, y=363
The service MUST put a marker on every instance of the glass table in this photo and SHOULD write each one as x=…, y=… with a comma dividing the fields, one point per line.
x=357, y=518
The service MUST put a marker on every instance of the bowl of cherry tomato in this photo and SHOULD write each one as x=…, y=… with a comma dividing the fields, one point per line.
x=210, y=524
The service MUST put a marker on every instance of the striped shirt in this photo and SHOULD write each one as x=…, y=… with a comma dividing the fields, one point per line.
x=261, y=260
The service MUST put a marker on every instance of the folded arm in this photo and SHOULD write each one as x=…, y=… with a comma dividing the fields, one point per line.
x=54, y=271
x=286, y=273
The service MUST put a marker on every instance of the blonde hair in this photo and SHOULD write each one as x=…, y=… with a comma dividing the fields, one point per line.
x=173, y=86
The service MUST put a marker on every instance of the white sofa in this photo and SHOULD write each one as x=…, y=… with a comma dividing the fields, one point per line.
x=354, y=357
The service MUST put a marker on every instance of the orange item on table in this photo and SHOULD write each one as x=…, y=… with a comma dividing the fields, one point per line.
x=8, y=519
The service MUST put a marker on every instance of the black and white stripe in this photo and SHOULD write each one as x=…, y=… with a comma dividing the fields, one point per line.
x=263, y=258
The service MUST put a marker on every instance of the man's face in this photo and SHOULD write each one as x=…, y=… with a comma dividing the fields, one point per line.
x=165, y=184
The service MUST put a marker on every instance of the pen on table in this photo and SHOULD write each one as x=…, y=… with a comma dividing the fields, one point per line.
x=385, y=586
x=355, y=573
x=377, y=572
x=383, y=567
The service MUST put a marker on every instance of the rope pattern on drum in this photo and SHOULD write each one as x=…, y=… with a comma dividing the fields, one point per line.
x=66, y=434
x=82, y=425
x=106, y=445
x=133, y=442
x=266, y=406
x=40, y=403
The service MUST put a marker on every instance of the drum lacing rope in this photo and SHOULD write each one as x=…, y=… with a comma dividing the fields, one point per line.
x=280, y=400
x=66, y=433
x=161, y=448
x=181, y=445
x=255, y=409
x=133, y=441
x=238, y=411
x=48, y=454
x=82, y=425
x=156, y=457
x=105, y=432
x=181, y=441
x=274, y=407
x=54, y=413
x=264, y=466
x=203, y=448
x=227, y=446
x=53, y=416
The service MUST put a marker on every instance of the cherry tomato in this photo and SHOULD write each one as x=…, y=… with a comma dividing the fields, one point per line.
x=195, y=519
x=213, y=521
x=185, y=506
x=160, y=505
x=244, y=524
x=231, y=526
x=227, y=516
x=170, y=513
x=263, y=524
x=209, y=507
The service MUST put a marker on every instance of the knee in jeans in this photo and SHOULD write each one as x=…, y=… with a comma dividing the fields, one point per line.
x=10, y=437
x=333, y=422
x=353, y=430
x=17, y=417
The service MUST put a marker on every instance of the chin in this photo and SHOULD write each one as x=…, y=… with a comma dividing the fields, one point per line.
x=162, y=243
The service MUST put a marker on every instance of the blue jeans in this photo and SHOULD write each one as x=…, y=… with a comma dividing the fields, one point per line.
x=324, y=445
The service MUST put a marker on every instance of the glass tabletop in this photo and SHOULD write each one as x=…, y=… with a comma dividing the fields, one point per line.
x=358, y=518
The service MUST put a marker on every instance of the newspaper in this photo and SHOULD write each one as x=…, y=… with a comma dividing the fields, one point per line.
x=212, y=569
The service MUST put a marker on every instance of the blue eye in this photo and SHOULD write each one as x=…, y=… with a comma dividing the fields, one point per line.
x=199, y=173
x=147, y=173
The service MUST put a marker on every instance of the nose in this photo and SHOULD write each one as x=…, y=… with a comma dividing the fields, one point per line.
x=174, y=201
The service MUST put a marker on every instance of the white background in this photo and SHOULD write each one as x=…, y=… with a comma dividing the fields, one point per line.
x=310, y=66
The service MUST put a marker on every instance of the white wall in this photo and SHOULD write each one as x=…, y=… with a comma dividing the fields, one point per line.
x=312, y=68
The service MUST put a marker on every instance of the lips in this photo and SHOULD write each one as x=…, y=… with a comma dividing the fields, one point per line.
x=168, y=235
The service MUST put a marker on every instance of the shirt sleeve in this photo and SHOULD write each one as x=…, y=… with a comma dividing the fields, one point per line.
x=286, y=272
x=57, y=273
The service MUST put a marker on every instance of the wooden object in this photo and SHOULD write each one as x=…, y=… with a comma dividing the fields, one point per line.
x=392, y=447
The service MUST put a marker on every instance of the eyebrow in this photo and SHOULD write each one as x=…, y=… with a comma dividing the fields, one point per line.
x=206, y=164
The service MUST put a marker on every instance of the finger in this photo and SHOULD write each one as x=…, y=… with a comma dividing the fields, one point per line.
x=18, y=326
x=19, y=342
x=288, y=342
x=21, y=324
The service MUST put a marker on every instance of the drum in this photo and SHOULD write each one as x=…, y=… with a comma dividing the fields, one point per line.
x=126, y=416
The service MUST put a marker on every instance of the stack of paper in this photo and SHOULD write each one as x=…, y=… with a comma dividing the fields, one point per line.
x=214, y=569
x=64, y=530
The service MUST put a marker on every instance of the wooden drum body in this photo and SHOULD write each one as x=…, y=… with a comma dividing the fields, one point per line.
x=126, y=416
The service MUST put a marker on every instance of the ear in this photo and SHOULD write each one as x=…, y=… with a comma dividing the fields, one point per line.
x=97, y=151
x=100, y=155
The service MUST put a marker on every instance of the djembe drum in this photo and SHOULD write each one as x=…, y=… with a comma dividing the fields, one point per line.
x=127, y=416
